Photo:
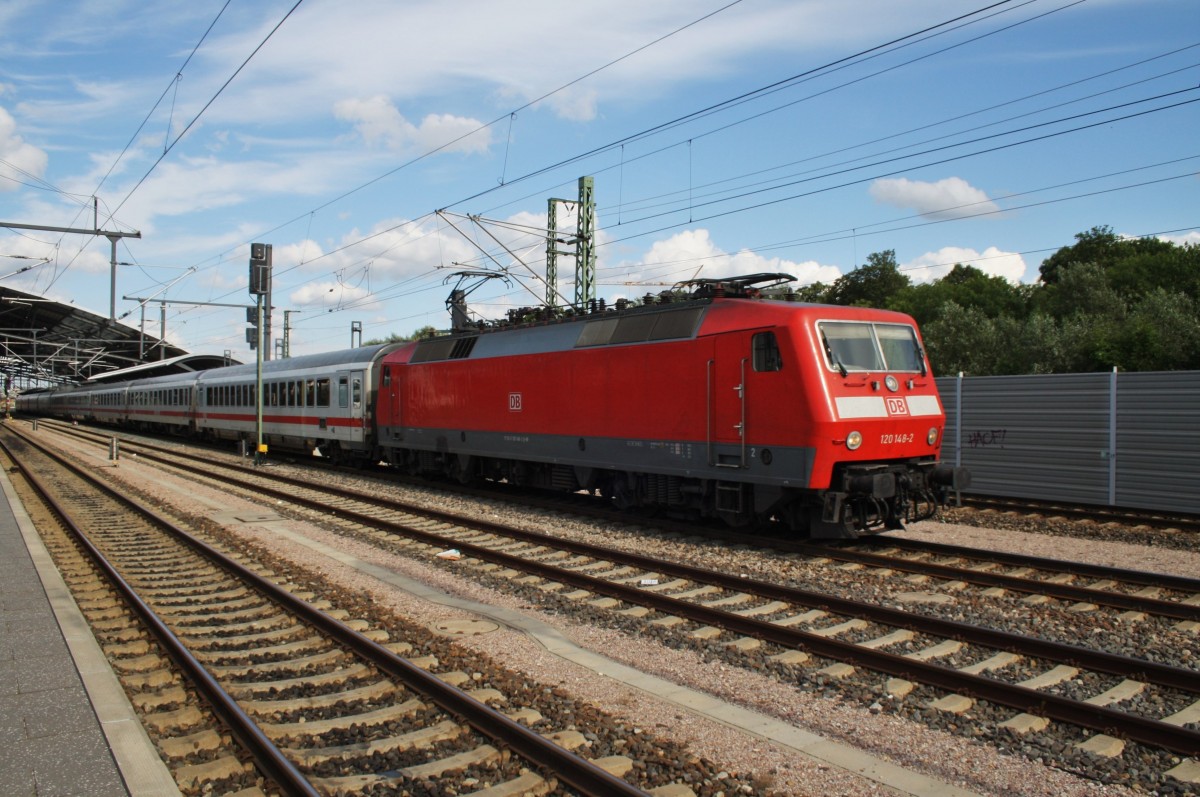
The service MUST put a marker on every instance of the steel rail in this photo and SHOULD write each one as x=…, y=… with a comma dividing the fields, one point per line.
x=1033, y=586
x=1141, y=729
x=269, y=758
x=838, y=551
x=1160, y=521
x=1142, y=577
x=574, y=770
x=1115, y=664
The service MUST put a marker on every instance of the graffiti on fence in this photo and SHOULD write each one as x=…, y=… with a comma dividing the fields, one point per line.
x=987, y=438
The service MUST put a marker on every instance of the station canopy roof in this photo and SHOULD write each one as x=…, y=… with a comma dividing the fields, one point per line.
x=46, y=342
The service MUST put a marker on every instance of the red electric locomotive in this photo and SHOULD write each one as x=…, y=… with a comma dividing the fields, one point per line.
x=726, y=404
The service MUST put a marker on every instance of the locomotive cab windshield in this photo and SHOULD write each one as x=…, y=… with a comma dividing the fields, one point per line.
x=865, y=346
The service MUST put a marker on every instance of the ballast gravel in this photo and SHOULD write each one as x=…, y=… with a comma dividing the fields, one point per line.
x=944, y=756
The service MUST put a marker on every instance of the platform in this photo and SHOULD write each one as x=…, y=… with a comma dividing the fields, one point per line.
x=66, y=727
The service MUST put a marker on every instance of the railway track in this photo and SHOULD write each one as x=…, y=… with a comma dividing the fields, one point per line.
x=319, y=704
x=1117, y=699
x=1095, y=514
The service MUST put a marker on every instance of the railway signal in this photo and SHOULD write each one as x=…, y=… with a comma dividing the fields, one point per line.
x=260, y=286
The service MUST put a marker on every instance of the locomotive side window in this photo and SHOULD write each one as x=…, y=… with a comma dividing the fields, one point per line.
x=764, y=349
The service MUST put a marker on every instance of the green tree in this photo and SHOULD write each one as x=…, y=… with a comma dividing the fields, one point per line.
x=817, y=293
x=1093, y=246
x=1135, y=265
x=396, y=337
x=1103, y=302
x=966, y=286
x=1149, y=265
x=1081, y=288
x=959, y=340
x=875, y=284
x=1160, y=333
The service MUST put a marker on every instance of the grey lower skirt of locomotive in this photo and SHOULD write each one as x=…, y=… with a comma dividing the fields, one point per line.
x=865, y=498
x=875, y=497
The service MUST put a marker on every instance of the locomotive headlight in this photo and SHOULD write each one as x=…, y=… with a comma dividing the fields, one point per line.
x=932, y=437
x=853, y=440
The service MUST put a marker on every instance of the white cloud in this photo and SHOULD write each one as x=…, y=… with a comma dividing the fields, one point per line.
x=935, y=265
x=326, y=293
x=1192, y=238
x=379, y=122
x=951, y=198
x=17, y=156
x=692, y=253
x=578, y=105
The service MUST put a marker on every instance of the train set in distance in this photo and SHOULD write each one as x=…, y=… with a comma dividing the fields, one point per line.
x=721, y=403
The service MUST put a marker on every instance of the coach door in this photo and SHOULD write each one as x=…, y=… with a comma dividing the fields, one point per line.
x=727, y=402
x=350, y=401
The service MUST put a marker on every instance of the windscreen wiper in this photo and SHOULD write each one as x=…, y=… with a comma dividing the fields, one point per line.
x=833, y=357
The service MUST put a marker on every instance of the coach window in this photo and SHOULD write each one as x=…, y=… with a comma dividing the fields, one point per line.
x=343, y=392
x=357, y=391
x=310, y=393
x=323, y=392
x=765, y=352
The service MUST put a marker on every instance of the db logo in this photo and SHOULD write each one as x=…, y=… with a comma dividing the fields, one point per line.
x=897, y=406
x=514, y=402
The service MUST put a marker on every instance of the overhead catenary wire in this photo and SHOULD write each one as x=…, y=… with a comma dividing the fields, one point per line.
x=351, y=245
x=207, y=105
x=709, y=109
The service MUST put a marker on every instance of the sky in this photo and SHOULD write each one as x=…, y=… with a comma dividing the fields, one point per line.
x=382, y=148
